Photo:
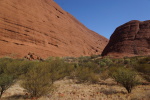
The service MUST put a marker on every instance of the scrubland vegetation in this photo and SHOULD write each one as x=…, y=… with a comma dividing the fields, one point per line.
x=38, y=77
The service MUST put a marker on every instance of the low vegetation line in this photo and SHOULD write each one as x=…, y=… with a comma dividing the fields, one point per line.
x=37, y=77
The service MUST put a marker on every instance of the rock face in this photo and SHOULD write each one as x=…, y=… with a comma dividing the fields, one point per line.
x=32, y=56
x=42, y=27
x=130, y=39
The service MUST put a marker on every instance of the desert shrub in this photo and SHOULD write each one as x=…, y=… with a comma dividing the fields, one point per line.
x=70, y=59
x=119, y=61
x=145, y=70
x=94, y=78
x=133, y=62
x=4, y=62
x=104, y=75
x=144, y=60
x=92, y=66
x=126, y=77
x=13, y=68
x=6, y=79
x=143, y=67
x=24, y=66
x=17, y=67
x=83, y=59
x=106, y=62
x=37, y=81
x=111, y=70
x=5, y=59
x=102, y=64
x=94, y=56
x=59, y=69
x=126, y=61
x=50, y=59
x=88, y=71
x=5, y=82
x=84, y=74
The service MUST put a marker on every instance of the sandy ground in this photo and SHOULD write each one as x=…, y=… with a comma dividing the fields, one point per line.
x=68, y=89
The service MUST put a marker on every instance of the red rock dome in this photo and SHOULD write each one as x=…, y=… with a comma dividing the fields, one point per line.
x=44, y=28
x=130, y=39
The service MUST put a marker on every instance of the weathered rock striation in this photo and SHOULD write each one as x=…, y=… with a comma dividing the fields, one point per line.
x=44, y=28
x=130, y=39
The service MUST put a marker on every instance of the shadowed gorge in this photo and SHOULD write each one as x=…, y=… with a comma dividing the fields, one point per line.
x=44, y=28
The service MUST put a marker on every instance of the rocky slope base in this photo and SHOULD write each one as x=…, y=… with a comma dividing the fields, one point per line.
x=44, y=28
x=130, y=39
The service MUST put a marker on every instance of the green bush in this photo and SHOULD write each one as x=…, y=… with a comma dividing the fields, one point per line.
x=92, y=66
x=83, y=59
x=126, y=77
x=3, y=63
x=145, y=70
x=143, y=67
x=120, y=60
x=126, y=61
x=94, y=56
x=106, y=62
x=85, y=74
x=17, y=67
x=59, y=69
x=144, y=60
x=5, y=82
x=112, y=69
x=104, y=75
x=38, y=80
x=6, y=79
x=102, y=64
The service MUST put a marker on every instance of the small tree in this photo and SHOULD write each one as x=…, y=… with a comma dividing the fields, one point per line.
x=126, y=77
x=5, y=82
x=37, y=81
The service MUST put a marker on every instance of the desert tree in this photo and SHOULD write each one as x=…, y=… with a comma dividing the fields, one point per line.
x=126, y=77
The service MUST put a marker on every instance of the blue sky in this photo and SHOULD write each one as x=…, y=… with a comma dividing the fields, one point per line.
x=103, y=16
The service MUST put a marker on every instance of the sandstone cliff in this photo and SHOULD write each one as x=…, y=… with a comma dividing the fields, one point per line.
x=130, y=39
x=44, y=28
